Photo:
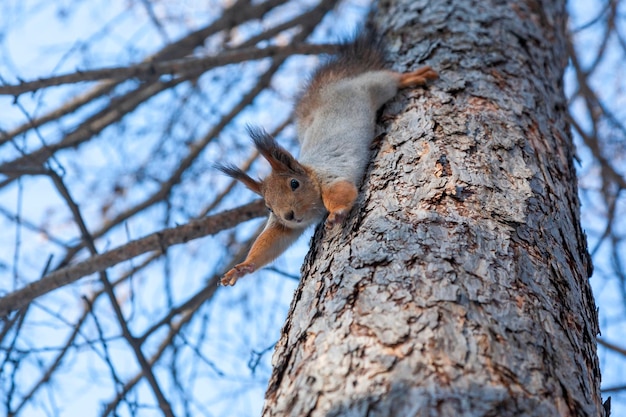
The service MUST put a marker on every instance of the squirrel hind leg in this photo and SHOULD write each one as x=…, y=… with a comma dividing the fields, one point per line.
x=418, y=77
x=338, y=197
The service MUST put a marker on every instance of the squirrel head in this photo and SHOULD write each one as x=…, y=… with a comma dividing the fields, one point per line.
x=291, y=191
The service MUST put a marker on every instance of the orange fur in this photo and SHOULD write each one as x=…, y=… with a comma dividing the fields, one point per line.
x=418, y=77
x=272, y=241
x=338, y=199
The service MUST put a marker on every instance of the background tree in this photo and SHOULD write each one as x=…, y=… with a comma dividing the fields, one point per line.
x=107, y=170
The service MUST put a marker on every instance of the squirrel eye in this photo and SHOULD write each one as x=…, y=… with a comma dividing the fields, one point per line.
x=294, y=184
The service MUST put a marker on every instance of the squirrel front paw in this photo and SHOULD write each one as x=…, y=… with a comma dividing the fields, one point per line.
x=335, y=218
x=237, y=272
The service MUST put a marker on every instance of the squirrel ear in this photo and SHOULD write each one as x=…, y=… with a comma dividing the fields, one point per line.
x=236, y=173
x=278, y=157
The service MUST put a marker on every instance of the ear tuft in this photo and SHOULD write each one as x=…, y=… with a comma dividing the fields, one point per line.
x=236, y=173
x=278, y=157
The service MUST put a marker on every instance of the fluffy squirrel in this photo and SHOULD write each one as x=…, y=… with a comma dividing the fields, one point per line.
x=335, y=121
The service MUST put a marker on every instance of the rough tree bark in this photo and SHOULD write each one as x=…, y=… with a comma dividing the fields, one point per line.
x=458, y=287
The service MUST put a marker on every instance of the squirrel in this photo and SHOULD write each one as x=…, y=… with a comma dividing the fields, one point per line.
x=335, y=124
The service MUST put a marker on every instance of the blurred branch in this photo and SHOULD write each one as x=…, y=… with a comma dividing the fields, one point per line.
x=615, y=348
x=156, y=241
x=614, y=389
x=112, y=113
x=151, y=70
x=608, y=28
x=76, y=331
x=238, y=13
x=68, y=107
x=108, y=289
x=186, y=311
x=174, y=328
x=594, y=104
x=32, y=227
x=594, y=146
x=148, y=6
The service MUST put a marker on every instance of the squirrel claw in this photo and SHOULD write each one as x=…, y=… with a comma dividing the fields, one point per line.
x=418, y=77
x=335, y=218
x=237, y=272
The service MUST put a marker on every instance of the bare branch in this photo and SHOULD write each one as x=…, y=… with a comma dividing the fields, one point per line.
x=614, y=389
x=615, y=348
x=158, y=241
x=151, y=70
x=112, y=113
x=233, y=16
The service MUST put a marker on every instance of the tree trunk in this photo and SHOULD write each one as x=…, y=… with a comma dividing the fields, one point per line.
x=458, y=286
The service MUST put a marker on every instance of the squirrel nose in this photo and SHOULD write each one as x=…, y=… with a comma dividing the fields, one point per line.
x=289, y=215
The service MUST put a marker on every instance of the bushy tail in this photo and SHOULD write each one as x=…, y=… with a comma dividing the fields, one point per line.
x=362, y=53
